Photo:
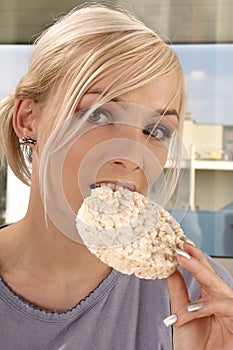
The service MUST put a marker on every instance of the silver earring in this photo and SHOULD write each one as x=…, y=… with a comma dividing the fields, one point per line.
x=26, y=140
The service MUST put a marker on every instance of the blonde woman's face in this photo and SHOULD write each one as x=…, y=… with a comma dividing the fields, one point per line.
x=123, y=141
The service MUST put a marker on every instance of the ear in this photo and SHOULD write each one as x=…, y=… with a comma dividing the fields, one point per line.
x=24, y=118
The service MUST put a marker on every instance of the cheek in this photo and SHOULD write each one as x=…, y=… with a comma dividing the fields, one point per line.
x=160, y=152
x=154, y=168
x=70, y=171
x=75, y=189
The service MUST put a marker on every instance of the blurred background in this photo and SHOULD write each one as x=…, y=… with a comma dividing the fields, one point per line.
x=201, y=33
x=182, y=21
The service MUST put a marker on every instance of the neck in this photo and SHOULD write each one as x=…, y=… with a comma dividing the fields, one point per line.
x=51, y=249
x=41, y=247
x=43, y=265
x=46, y=268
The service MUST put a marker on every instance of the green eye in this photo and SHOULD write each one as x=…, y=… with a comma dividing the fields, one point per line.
x=159, y=132
x=99, y=116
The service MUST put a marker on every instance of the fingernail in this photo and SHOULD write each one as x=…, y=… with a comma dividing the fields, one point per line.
x=170, y=320
x=188, y=240
x=183, y=253
x=195, y=307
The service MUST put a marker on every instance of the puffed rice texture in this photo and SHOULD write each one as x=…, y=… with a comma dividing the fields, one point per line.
x=129, y=232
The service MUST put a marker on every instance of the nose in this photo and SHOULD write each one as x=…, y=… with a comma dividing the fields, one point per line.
x=130, y=132
x=121, y=163
x=127, y=147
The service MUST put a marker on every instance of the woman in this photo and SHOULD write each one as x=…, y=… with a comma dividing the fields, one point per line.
x=102, y=101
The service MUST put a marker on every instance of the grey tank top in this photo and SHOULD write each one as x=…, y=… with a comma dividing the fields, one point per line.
x=122, y=313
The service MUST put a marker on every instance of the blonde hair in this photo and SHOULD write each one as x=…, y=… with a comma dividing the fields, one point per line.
x=77, y=51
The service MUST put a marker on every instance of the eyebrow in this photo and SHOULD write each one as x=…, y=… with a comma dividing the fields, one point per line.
x=123, y=105
x=162, y=112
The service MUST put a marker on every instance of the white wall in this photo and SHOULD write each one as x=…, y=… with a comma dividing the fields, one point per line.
x=16, y=198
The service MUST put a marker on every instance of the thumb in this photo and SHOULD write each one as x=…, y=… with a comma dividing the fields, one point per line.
x=177, y=291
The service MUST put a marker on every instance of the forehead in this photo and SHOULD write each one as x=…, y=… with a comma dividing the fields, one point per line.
x=155, y=94
x=159, y=93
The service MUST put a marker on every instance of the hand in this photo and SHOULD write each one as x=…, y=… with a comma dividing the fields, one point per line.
x=206, y=324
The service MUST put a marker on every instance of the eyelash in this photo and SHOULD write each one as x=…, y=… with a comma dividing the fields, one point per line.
x=149, y=131
x=96, y=111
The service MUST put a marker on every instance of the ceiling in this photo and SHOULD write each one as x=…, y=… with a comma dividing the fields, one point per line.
x=182, y=21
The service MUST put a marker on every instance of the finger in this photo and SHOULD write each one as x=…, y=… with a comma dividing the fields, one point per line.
x=208, y=279
x=221, y=308
x=177, y=291
x=198, y=254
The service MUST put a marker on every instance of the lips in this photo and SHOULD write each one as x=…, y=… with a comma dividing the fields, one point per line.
x=115, y=184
